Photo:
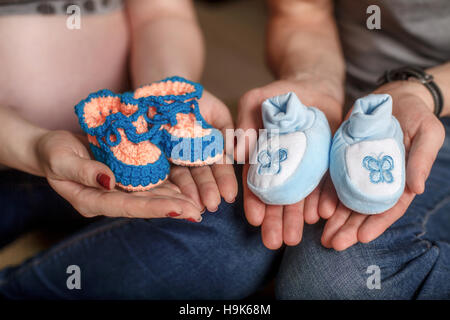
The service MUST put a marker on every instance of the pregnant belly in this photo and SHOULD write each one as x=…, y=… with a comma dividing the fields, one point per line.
x=47, y=68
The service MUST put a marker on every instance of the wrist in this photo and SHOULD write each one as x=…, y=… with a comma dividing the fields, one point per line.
x=25, y=157
x=36, y=139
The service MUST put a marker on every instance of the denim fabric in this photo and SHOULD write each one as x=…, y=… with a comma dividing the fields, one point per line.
x=27, y=202
x=220, y=258
x=413, y=254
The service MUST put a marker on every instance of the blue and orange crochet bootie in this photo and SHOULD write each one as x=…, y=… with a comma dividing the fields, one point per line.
x=119, y=136
x=135, y=134
x=188, y=139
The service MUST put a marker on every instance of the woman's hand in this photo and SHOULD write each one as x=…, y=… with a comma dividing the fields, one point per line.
x=423, y=137
x=89, y=185
x=206, y=185
x=285, y=223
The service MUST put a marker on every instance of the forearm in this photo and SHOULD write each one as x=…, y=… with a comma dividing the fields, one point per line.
x=166, y=41
x=19, y=140
x=303, y=42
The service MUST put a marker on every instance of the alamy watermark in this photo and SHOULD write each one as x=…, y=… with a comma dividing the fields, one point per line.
x=74, y=280
x=373, y=22
x=73, y=21
x=374, y=280
x=238, y=146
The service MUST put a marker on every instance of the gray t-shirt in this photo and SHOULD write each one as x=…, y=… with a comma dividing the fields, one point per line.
x=413, y=32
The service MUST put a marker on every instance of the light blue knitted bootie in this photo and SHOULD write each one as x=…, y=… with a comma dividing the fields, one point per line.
x=367, y=161
x=290, y=160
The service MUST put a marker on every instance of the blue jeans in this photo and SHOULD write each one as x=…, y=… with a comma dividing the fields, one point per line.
x=413, y=255
x=220, y=258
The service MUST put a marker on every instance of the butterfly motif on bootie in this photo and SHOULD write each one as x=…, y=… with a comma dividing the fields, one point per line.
x=270, y=161
x=380, y=168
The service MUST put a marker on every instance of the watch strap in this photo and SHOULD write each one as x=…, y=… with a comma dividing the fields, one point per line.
x=426, y=79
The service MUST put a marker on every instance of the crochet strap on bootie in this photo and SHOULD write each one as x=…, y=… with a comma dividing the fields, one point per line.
x=173, y=104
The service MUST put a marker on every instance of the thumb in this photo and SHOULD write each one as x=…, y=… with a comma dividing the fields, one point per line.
x=86, y=172
x=249, y=120
x=424, y=149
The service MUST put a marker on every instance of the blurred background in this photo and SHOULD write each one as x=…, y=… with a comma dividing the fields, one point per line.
x=234, y=35
x=235, y=63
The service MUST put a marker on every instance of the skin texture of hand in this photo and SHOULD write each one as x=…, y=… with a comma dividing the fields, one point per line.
x=88, y=185
x=423, y=137
x=206, y=185
x=284, y=224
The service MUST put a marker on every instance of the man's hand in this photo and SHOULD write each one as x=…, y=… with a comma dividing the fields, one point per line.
x=285, y=223
x=423, y=137
x=206, y=185
x=89, y=185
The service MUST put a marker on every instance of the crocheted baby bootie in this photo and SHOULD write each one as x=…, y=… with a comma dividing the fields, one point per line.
x=367, y=161
x=119, y=137
x=289, y=161
x=188, y=139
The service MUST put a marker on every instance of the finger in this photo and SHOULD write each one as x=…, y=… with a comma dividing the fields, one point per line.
x=226, y=181
x=221, y=118
x=93, y=202
x=424, y=149
x=328, y=199
x=334, y=224
x=272, y=227
x=83, y=171
x=311, y=212
x=164, y=189
x=375, y=225
x=207, y=187
x=168, y=185
x=293, y=223
x=182, y=178
x=249, y=105
x=347, y=235
x=254, y=208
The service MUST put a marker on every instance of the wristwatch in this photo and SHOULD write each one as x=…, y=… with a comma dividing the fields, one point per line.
x=426, y=79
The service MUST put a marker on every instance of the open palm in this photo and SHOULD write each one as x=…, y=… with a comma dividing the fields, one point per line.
x=283, y=224
x=72, y=173
x=423, y=137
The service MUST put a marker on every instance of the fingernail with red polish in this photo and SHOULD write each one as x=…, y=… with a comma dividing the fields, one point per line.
x=104, y=180
x=191, y=220
x=173, y=214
